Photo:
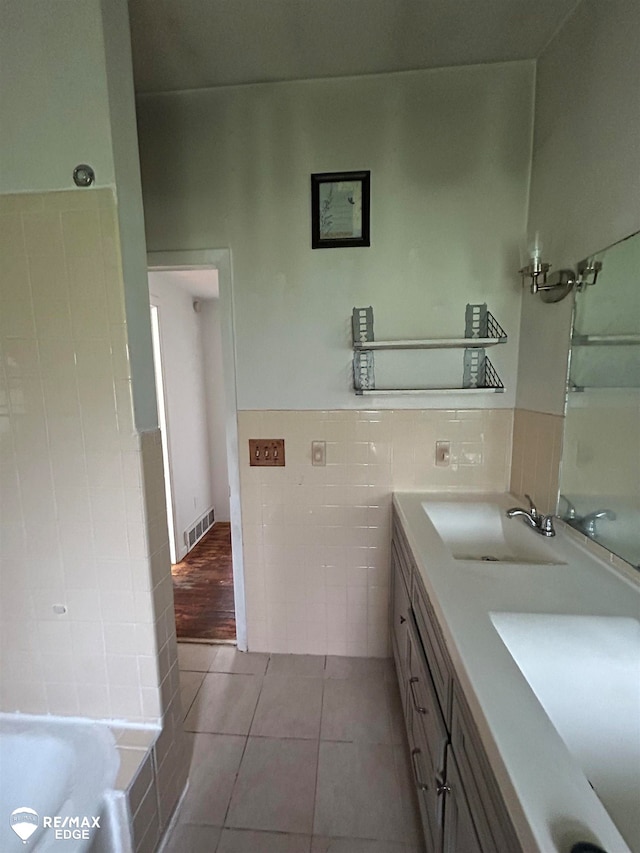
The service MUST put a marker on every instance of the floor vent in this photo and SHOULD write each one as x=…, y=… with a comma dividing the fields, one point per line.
x=195, y=533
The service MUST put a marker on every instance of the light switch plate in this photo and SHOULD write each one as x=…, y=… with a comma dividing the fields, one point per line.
x=266, y=452
x=443, y=453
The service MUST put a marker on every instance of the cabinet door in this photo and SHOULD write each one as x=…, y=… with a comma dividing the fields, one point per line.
x=490, y=815
x=400, y=614
x=459, y=830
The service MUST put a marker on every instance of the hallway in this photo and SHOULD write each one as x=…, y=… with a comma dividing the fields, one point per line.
x=203, y=589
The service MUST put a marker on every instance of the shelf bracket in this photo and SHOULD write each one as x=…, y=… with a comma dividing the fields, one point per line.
x=478, y=372
x=479, y=322
x=363, y=374
x=472, y=367
x=362, y=325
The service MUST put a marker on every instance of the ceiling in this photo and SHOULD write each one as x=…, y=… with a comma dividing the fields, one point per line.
x=194, y=44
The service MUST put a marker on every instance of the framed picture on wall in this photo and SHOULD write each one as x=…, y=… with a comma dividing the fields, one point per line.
x=340, y=209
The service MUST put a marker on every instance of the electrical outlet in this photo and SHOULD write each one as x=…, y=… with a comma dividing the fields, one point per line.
x=318, y=452
x=266, y=452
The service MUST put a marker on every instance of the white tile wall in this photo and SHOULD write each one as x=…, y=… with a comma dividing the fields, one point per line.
x=82, y=512
x=537, y=450
x=317, y=539
x=82, y=523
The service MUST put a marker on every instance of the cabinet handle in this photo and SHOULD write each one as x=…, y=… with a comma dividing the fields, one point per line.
x=442, y=787
x=418, y=708
x=402, y=620
x=421, y=785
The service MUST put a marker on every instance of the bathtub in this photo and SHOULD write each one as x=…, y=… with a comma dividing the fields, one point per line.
x=56, y=786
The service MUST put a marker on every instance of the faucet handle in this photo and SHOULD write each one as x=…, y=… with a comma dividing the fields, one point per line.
x=532, y=507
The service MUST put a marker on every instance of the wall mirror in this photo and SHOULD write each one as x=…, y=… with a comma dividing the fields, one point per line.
x=600, y=472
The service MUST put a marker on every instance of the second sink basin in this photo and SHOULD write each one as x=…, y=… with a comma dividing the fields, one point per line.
x=480, y=531
x=585, y=672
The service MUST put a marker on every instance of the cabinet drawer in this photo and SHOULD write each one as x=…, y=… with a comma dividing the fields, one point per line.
x=400, y=615
x=405, y=558
x=422, y=697
x=434, y=647
x=490, y=816
x=428, y=739
x=425, y=775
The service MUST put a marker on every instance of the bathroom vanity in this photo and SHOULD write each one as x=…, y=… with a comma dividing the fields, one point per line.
x=518, y=660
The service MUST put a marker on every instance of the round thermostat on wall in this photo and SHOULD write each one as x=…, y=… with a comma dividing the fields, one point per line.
x=83, y=175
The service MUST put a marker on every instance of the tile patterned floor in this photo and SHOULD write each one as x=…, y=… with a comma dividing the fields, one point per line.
x=203, y=588
x=293, y=754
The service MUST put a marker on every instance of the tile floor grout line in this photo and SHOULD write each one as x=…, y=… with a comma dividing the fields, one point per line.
x=315, y=790
x=186, y=713
x=244, y=750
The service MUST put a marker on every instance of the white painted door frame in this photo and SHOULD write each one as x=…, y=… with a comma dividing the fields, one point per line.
x=220, y=260
x=163, y=421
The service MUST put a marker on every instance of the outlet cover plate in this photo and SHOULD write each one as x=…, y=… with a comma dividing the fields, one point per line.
x=318, y=452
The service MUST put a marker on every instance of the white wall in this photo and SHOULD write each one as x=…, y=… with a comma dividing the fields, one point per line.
x=585, y=185
x=59, y=97
x=124, y=139
x=449, y=154
x=184, y=381
x=216, y=406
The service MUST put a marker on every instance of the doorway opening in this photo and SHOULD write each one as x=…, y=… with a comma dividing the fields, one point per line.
x=192, y=329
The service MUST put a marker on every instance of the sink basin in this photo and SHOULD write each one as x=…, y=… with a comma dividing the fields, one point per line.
x=481, y=531
x=585, y=672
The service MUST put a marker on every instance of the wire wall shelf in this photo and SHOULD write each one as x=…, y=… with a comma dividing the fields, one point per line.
x=605, y=340
x=479, y=375
x=481, y=330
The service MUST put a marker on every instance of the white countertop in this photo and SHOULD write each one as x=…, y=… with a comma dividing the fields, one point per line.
x=544, y=786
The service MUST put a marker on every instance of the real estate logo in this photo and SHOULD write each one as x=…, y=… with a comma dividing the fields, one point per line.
x=24, y=822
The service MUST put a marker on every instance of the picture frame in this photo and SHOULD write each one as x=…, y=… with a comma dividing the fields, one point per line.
x=340, y=209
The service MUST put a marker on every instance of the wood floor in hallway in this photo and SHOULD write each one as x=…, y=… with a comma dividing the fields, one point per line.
x=203, y=588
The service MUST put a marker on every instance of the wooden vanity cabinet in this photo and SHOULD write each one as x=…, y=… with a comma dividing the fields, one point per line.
x=461, y=807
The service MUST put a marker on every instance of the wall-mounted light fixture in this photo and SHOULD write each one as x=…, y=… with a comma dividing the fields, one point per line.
x=534, y=273
x=553, y=287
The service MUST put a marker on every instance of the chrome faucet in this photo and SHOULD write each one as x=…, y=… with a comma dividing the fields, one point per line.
x=542, y=524
x=588, y=522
